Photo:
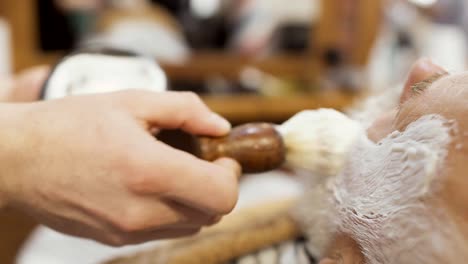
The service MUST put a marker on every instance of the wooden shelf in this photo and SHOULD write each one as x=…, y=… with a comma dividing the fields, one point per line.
x=201, y=66
x=248, y=108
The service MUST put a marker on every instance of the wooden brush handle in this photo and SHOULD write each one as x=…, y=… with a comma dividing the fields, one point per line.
x=258, y=147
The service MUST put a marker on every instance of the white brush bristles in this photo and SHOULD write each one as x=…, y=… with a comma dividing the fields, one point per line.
x=318, y=140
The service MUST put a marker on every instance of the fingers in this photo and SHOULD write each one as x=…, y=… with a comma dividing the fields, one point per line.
x=209, y=187
x=420, y=71
x=6, y=85
x=171, y=110
x=231, y=165
x=28, y=84
x=157, y=220
x=149, y=213
x=149, y=219
x=140, y=237
x=183, y=217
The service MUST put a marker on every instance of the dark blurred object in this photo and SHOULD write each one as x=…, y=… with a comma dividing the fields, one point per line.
x=333, y=57
x=178, y=139
x=201, y=32
x=55, y=31
x=15, y=227
x=173, y=6
x=186, y=85
x=404, y=39
x=293, y=38
x=205, y=33
x=213, y=85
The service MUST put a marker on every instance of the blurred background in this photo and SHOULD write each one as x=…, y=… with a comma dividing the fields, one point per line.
x=250, y=60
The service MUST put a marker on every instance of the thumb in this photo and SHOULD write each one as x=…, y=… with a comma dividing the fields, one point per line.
x=28, y=84
x=231, y=165
x=176, y=110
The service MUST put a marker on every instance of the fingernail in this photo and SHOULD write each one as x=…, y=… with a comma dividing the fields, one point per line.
x=220, y=122
x=231, y=164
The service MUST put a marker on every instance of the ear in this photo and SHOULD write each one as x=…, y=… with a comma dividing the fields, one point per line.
x=420, y=71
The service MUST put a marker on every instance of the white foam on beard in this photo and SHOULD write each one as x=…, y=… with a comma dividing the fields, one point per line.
x=367, y=110
x=381, y=198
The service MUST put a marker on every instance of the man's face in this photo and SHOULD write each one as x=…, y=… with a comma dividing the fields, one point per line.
x=403, y=198
x=448, y=97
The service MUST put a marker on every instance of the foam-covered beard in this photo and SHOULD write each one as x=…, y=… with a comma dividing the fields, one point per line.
x=384, y=198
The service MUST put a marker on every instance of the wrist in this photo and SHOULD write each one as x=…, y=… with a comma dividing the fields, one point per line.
x=11, y=147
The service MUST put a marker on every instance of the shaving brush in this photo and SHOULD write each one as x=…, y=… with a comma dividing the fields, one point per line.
x=313, y=140
x=256, y=146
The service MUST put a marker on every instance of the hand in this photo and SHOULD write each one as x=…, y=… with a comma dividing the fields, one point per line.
x=88, y=166
x=25, y=87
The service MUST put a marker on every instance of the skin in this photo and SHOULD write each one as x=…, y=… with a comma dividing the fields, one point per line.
x=24, y=87
x=89, y=166
x=435, y=99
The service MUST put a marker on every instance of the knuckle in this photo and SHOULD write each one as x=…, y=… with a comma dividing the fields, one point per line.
x=140, y=182
x=212, y=220
x=134, y=93
x=123, y=95
x=116, y=240
x=186, y=232
x=130, y=97
x=137, y=183
x=133, y=177
x=193, y=231
x=230, y=193
x=139, y=176
x=130, y=220
x=191, y=98
x=230, y=202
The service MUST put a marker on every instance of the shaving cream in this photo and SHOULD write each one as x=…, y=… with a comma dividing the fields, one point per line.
x=381, y=198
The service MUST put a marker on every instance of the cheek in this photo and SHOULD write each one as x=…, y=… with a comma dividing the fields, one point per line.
x=454, y=192
x=382, y=126
x=343, y=250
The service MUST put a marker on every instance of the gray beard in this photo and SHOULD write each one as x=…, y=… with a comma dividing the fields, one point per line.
x=385, y=199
